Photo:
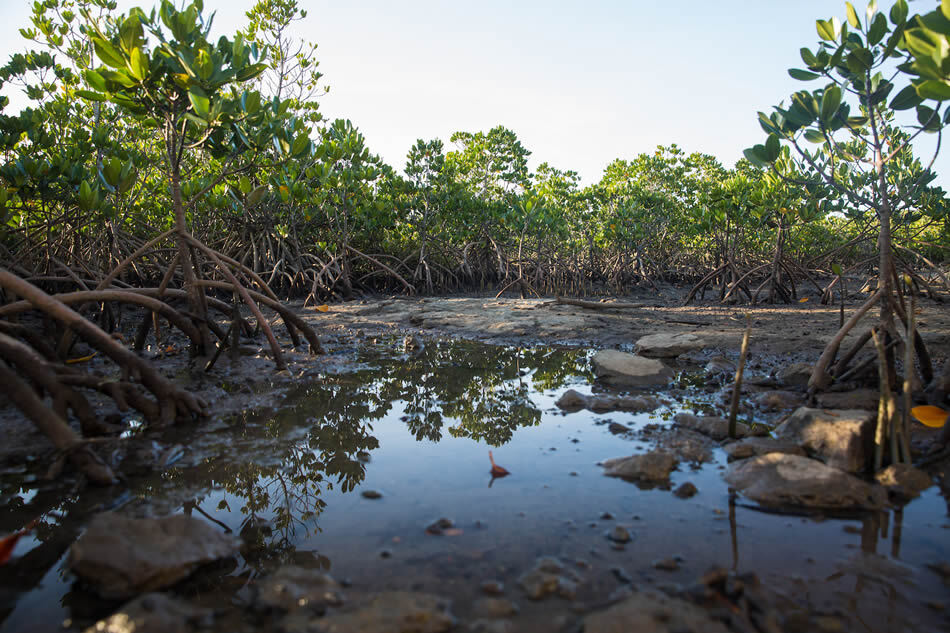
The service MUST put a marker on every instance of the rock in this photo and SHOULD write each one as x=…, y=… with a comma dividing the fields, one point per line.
x=777, y=480
x=686, y=490
x=649, y=612
x=155, y=613
x=904, y=480
x=796, y=375
x=843, y=438
x=371, y=494
x=866, y=399
x=716, y=427
x=619, y=534
x=720, y=365
x=573, y=400
x=548, y=577
x=122, y=557
x=620, y=369
x=492, y=587
x=685, y=445
x=779, y=400
x=618, y=429
x=391, y=612
x=652, y=467
x=667, y=564
x=291, y=588
x=667, y=345
x=482, y=625
x=439, y=526
x=752, y=446
x=494, y=608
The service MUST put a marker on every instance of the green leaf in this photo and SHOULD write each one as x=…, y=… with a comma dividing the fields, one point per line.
x=872, y=9
x=108, y=53
x=878, y=29
x=809, y=58
x=859, y=61
x=95, y=80
x=92, y=96
x=138, y=64
x=814, y=136
x=300, y=144
x=945, y=8
x=933, y=89
x=899, y=12
x=244, y=184
x=830, y=101
x=772, y=148
x=906, y=99
x=199, y=101
x=852, y=16
x=255, y=196
x=825, y=30
x=836, y=269
x=926, y=116
x=250, y=72
x=802, y=75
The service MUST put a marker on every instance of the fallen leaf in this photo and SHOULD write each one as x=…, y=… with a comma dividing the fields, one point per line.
x=803, y=300
x=323, y=308
x=496, y=470
x=934, y=417
x=81, y=359
x=7, y=543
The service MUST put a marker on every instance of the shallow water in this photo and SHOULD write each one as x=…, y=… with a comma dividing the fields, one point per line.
x=417, y=429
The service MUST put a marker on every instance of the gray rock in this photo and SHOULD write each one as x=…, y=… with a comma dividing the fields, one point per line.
x=572, y=400
x=548, y=577
x=618, y=429
x=904, y=479
x=391, y=612
x=843, y=438
x=716, y=427
x=621, y=369
x=121, y=557
x=866, y=399
x=371, y=494
x=796, y=375
x=619, y=534
x=752, y=446
x=155, y=613
x=779, y=400
x=291, y=588
x=667, y=345
x=649, y=612
x=777, y=480
x=652, y=467
x=720, y=365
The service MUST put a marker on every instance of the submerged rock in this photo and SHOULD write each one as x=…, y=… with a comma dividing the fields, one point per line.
x=621, y=369
x=548, y=577
x=291, y=588
x=752, y=446
x=121, y=557
x=155, y=613
x=652, y=467
x=904, y=480
x=667, y=344
x=573, y=400
x=650, y=612
x=777, y=480
x=619, y=534
x=686, y=490
x=391, y=612
x=716, y=427
x=795, y=375
x=843, y=438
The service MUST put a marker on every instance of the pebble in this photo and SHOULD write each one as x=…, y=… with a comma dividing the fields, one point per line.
x=385, y=553
x=371, y=494
x=492, y=587
x=439, y=526
x=619, y=534
x=667, y=564
x=685, y=490
x=606, y=516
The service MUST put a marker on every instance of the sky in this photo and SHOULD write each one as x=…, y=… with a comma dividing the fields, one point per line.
x=581, y=83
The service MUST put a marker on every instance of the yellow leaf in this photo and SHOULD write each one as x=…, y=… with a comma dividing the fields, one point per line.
x=82, y=359
x=323, y=308
x=803, y=300
x=934, y=417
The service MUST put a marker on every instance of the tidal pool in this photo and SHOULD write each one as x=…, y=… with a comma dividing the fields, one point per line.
x=414, y=431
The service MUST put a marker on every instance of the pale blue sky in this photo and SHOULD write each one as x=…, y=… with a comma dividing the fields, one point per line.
x=581, y=83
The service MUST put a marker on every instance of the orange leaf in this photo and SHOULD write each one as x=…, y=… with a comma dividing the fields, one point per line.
x=934, y=417
x=803, y=300
x=323, y=308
